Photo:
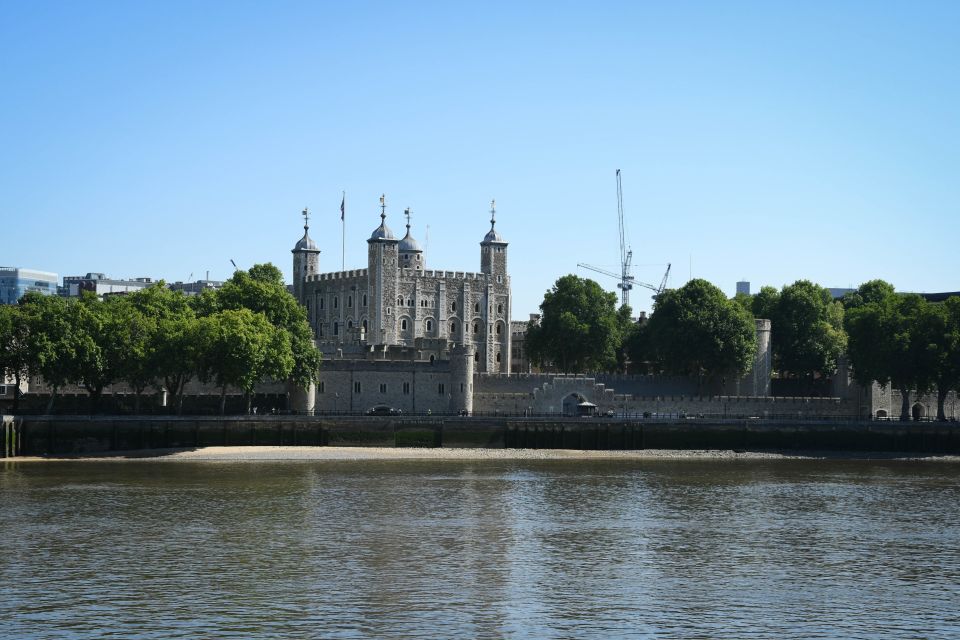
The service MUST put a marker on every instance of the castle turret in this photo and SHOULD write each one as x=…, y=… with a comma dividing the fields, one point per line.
x=306, y=259
x=461, y=379
x=411, y=255
x=495, y=351
x=382, y=281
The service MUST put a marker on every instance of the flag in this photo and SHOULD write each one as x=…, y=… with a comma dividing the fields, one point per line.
x=343, y=204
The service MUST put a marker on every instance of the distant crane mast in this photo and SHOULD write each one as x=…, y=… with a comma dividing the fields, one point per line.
x=626, y=260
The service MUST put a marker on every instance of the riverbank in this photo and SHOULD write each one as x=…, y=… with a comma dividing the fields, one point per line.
x=288, y=453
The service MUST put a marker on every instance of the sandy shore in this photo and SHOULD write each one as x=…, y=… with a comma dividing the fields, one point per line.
x=238, y=454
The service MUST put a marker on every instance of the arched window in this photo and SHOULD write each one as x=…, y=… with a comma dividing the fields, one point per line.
x=399, y=301
x=499, y=328
x=364, y=325
x=349, y=324
x=476, y=356
x=364, y=299
x=349, y=302
x=476, y=327
x=453, y=327
x=403, y=324
x=321, y=302
x=429, y=326
x=336, y=302
x=336, y=328
x=498, y=356
x=453, y=306
x=476, y=308
x=499, y=308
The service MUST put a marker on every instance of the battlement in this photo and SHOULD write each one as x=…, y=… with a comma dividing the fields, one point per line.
x=338, y=275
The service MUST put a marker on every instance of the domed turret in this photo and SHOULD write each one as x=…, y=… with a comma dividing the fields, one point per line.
x=306, y=258
x=411, y=255
x=493, y=237
x=383, y=231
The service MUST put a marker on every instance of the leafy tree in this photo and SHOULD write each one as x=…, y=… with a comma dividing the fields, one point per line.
x=50, y=338
x=745, y=300
x=261, y=290
x=106, y=341
x=764, y=304
x=240, y=348
x=580, y=328
x=807, y=326
x=869, y=292
x=942, y=326
x=695, y=330
x=889, y=341
x=14, y=352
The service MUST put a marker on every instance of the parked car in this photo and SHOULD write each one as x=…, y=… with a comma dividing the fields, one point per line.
x=383, y=410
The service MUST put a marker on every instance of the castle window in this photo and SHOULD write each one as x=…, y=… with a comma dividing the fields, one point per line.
x=409, y=302
x=429, y=325
x=383, y=387
x=321, y=302
x=499, y=308
x=498, y=357
x=476, y=308
x=418, y=257
x=336, y=328
x=323, y=387
x=453, y=327
x=499, y=329
x=406, y=388
x=349, y=324
x=441, y=389
x=499, y=279
x=364, y=299
x=476, y=356
x=461, y=387
x=336, y=302
x=349, y=302
x=453, y=306
x=400, y=301
x=320, y=330
x=364, y=325
x=356, y=387
x=476, y=327
x=403, y=325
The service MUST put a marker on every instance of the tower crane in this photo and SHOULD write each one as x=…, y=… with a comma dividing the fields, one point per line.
x=626, y=260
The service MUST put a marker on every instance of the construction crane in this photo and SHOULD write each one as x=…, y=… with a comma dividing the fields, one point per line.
x=626, y=255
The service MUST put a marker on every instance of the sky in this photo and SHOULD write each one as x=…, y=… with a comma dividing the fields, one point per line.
x=765, y=141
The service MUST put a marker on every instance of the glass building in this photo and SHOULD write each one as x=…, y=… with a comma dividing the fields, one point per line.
x=14, y=282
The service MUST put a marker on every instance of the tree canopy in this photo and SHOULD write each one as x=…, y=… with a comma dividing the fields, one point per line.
x=580, y=327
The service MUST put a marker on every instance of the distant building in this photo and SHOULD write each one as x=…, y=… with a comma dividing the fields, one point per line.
x=101, y=285
x=743, y=287
x=14, y=282
x=839, y=292
x=193, y=288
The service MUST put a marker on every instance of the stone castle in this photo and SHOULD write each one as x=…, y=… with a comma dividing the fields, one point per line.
x=400, y=334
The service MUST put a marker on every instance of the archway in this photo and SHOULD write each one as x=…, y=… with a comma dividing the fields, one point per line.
x=570, y=404
x=881, y=414
x=918, y=412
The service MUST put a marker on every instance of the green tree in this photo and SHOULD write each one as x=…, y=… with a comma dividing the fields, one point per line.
x=764, y=304
x=889, y=342
x=51, y=340
x=580, y=329
x=261, y=290
x=695, y=330
x=872, y=291
x=241, y=348
x=808, y=335
x=14, y=352
x=942, y=327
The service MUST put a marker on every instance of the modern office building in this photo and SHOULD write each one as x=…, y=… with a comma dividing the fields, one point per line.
x=14, y=282
x=101, y=285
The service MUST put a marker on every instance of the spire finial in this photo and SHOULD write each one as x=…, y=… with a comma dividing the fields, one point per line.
x=383, y=208
x=406, y=212
x=493, y=213
x=306, y=219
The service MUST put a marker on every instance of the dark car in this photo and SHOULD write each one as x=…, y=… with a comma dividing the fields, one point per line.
x=383, y=410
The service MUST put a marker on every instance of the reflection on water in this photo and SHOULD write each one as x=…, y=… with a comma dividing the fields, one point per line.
x=468, y=549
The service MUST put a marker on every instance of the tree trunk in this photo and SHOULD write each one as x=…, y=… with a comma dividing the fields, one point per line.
x=941, y=398
x=249, y=398
x=223, y=399
x=904, y=404
x=53, y=394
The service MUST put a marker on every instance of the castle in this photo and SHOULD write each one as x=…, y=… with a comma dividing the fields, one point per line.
x=399, y=334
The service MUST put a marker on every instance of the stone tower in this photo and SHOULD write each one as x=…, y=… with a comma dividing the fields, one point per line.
x=382, y=281
x=411, y=254
x=306, y=259
x=493, y=264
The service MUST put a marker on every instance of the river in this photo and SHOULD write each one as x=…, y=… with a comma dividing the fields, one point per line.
x=466, y=549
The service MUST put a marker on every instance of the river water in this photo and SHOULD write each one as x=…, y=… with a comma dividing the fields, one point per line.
x=456, y=549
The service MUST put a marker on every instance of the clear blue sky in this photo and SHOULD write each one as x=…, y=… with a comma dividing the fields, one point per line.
x=770, y=141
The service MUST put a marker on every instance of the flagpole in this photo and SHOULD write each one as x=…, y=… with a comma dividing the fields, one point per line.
x=343, y=233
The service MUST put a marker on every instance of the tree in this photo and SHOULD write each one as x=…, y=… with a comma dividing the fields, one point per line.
x=240, y=348
x=580, y=328
x=695, y=330
x=942, y=324
x=889, y=341
x=261, y=290
x=807, y=326
x=51, y=340
x=868, y=292
x=14, y=353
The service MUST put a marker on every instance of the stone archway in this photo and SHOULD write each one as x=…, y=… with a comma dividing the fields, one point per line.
x=882, y=414
x=918, y=412
x=570, y=403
